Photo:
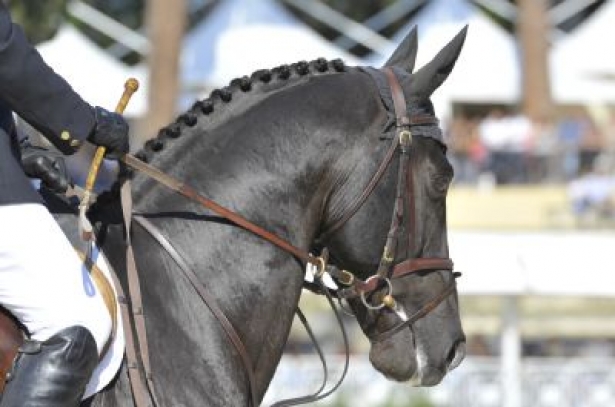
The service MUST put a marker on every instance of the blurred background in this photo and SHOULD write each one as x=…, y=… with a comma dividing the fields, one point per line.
x=529, y=115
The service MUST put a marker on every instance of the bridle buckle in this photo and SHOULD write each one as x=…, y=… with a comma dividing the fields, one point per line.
x=405, y=137
x=346, y=277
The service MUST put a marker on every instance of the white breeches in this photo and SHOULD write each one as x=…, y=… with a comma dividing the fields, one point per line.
x=42, y=280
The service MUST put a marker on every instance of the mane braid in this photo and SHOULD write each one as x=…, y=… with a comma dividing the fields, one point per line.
x=225, y=95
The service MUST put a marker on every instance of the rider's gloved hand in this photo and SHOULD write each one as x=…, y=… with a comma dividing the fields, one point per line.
x=49, y=167
x=111, y=132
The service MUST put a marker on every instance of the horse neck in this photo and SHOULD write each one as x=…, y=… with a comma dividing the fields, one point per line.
x=270, y=176
x=252, y=155
x=255, y=159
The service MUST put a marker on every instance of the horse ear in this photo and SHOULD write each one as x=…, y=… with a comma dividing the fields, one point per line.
x=427, y=79
x=404, y=55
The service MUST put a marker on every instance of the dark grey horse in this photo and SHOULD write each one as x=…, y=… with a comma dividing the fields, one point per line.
x=289, y=149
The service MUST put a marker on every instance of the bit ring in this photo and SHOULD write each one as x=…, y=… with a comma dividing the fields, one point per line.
x=382, y=304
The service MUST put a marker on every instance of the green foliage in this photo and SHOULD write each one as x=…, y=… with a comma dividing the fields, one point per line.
x=415, y=400
x=39, y=19
x=127, y=12
x=421, y=402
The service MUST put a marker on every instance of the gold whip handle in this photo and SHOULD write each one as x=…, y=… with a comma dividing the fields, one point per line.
x=130, y=87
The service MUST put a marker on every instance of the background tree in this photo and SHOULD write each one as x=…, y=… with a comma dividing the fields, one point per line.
x=40, y=19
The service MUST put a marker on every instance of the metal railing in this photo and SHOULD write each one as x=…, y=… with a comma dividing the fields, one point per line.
x=546, y=382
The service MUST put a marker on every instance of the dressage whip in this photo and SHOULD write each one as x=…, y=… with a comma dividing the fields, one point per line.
x=85, y=227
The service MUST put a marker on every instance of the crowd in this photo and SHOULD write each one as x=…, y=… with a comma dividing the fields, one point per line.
x=504, y=148
x=516, y=150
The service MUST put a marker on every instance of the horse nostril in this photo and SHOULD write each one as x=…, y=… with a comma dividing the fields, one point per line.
x=456, y=355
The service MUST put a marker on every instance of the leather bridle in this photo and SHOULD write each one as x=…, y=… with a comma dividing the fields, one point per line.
x=387, y=271
x=352, y=285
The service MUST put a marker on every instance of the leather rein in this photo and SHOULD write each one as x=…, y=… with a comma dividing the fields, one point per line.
x=137, y=350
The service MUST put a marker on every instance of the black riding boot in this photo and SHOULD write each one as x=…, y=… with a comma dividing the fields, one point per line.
x=52, y=373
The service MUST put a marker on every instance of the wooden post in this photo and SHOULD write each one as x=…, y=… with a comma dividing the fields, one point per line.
x=532, y=33
x=166, y=22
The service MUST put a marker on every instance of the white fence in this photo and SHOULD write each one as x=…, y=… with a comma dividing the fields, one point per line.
x=546, y=382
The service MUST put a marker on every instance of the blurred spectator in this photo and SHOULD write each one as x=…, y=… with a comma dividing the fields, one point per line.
x=592, y=195
x=542, y=142
x=506, y=139
x=506, y=148
x=466, y=151
x=590, y=146
x=570, y=133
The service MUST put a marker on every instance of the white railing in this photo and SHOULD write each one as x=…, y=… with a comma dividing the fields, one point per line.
x=545, y=382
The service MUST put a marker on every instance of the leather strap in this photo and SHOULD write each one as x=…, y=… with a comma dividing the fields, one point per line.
x=319, y=395
x=360, y=200
x=137, y=383
x=401, y=120
x=386, y=271
x=421, y=264
x=390, y=248
x=192, y=194
x=400, y=270
x=134, y=288
x=423, y=311
x=207, y=298
x=315, y=396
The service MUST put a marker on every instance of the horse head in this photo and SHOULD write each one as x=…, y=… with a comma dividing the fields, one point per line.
x=412, y=316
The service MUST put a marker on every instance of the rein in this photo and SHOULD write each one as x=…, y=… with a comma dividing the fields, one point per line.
x=353, y=286
x=192, y=194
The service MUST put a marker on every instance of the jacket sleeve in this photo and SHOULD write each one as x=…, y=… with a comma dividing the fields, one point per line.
x=40, y=96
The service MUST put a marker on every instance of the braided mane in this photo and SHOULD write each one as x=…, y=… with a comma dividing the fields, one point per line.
x=225, y=95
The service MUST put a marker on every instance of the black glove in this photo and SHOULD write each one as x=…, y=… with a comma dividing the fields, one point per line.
x=111, y=132
x=49, y=167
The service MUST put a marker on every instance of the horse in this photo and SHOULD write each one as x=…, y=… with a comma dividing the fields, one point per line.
x=317, y=154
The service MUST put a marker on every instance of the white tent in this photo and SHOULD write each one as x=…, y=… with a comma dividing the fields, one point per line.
x=96, y=76
x=487, y=69
x=241, y=36
x=582, y=64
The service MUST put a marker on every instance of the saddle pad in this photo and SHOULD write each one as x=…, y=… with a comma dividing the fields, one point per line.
x=111, y=362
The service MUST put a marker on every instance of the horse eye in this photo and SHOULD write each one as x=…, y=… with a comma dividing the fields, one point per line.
x=441, y=183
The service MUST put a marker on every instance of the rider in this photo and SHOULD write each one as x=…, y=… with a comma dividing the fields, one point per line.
x=42, y=280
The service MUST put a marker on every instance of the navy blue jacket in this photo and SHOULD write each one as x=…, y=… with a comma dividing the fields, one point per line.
x=29, y=87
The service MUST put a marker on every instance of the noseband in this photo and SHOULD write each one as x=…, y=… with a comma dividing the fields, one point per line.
x=387, y=271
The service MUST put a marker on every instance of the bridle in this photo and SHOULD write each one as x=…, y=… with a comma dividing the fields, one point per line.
x=352, y=285
x=387, y=271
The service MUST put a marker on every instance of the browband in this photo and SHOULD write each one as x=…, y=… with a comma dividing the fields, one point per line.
x=417, y=114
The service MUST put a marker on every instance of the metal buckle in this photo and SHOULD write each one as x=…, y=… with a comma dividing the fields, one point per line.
x=346, y=277
x=405, y=137
x=320, y=268
x=386, y=255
